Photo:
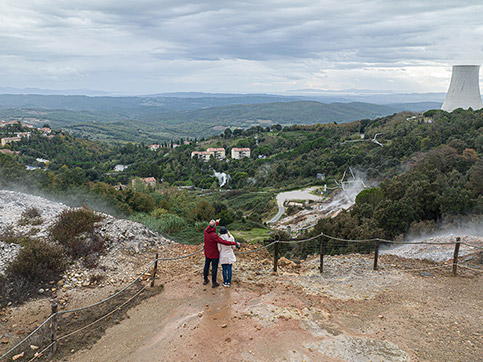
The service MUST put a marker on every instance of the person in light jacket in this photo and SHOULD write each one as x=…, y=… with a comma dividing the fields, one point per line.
x=227, y=257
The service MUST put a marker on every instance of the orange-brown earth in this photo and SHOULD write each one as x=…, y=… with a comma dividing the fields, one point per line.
x=349, y=313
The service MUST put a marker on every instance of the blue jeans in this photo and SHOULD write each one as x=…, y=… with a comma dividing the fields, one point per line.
x=214, y=269
x=226, y=269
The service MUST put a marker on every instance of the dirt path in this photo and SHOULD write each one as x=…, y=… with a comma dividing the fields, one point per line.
x=298, y=315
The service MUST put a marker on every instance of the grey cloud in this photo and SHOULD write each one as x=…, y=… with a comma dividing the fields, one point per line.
x=88, y=36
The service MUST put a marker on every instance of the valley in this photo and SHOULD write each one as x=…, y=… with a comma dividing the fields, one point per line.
x=121, y=204
x=162, y=118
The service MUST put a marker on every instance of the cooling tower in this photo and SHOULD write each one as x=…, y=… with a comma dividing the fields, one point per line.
x=464, y=89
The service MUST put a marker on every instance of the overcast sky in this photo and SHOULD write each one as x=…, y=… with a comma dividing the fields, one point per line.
x=259, y=46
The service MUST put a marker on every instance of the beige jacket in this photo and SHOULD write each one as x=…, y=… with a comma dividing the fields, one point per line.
x=226, y=251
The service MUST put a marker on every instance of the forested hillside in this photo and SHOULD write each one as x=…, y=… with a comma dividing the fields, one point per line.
x=428, y=170
x=162, y=118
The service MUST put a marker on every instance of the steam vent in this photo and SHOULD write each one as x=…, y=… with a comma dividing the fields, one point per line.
x=464, y=89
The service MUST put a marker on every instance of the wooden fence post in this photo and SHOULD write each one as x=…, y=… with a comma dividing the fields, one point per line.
x=275, y=257
x=53, y=331
x=455, y=255
x=376, y=254
x=321, y=253
x=154, y=270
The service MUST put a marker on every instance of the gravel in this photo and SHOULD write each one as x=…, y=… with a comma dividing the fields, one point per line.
x=8, y=252
x=122, y=236
x=442, y=252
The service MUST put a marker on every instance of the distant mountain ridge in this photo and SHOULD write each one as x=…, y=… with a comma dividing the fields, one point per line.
x=152, y=118
x=192, y=100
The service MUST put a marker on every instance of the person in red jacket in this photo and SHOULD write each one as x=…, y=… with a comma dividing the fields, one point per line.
x=212, y=254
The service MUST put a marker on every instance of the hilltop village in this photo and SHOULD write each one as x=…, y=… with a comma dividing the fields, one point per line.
x=14, y=130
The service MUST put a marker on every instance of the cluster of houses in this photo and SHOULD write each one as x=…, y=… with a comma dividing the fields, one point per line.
x=220, y=154
x=155, y=147
x=19, y=135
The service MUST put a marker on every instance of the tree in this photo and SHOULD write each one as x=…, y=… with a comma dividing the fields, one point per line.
x=203, y=211
x=276, y=127
x=142, y=202
x=227, y=133
x=371, y=197
x=226, y=217
x=169, y=177
x=475, y=183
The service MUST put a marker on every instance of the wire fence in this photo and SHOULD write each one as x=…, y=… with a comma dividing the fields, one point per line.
x=82, y=325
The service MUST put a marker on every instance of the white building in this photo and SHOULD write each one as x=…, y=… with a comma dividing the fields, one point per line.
x=6, y=140
x=205, y=155
x=238, y=153
x=218, y=153
x=23, y=134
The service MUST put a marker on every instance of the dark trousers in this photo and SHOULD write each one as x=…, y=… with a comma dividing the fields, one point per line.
x=227, y=271
x=214, y=268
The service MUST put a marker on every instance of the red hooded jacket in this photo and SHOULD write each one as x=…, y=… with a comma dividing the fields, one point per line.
x=211, y=239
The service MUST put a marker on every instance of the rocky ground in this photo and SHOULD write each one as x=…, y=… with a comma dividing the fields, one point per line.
x=408, y=310
x=316, y=208
x=437, y=249
x=122, y=236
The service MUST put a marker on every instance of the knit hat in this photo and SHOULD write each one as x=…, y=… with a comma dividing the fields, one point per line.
x=223, y=230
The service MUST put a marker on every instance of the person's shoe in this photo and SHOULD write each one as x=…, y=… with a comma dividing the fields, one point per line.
x=215, y=284
x=226, y=285
x=205, y=282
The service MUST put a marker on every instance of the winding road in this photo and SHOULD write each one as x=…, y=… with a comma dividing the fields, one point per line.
x=302, y=194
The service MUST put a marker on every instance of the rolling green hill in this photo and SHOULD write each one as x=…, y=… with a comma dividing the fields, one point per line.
x=155, y=119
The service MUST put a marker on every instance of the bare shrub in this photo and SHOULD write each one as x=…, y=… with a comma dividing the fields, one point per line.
x=10, y=237
x=76, y=231
x=31, y=216
x=37, y=262
x=73, y=222
x=31, y=213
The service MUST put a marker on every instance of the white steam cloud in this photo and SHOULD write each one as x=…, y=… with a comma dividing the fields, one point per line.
x=222, y=177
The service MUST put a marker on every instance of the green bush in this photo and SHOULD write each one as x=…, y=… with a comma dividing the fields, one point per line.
x=73, y=222
x=38, y=261
x=167, y=223
x=159, y=212
x=226, y=217
x=202, y=211
x=172, y=223
x=200, y=226
x=141, y=202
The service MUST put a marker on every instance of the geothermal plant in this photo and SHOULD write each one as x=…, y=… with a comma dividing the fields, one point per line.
x=464, y=89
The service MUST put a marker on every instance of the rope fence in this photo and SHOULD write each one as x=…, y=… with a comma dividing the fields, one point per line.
x=40, y=354
x=46, y=333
